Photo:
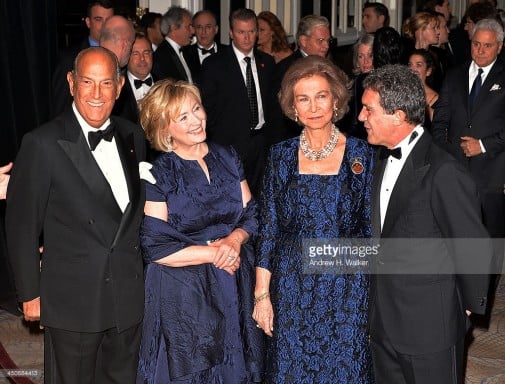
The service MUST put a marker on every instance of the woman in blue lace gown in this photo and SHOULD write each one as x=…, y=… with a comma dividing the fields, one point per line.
x=316, y=186
x=195, y=237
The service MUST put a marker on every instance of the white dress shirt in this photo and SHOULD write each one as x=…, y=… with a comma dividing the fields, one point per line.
x=109, y=162
x=177, y=49
x=140, y=92
x=243, y=66
x=393, y=168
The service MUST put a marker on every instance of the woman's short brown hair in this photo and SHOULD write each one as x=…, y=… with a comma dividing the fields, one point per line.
x=312, y=66
x=160, y=106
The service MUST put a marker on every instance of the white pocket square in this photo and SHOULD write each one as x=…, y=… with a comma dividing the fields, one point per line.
x=145, y=173
x=495, y=87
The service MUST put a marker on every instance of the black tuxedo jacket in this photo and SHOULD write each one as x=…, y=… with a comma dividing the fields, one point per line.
x=166, y=63
x=434, y=202
x=190, y=53
x=224, y=96
x=486, y=121
x=91, y=275
x=126, y=105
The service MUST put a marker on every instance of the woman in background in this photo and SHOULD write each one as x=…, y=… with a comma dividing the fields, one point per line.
x=421, y=61
x=272, y=37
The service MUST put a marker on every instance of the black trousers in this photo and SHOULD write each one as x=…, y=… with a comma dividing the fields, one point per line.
x=86, y=358
x=393, y=367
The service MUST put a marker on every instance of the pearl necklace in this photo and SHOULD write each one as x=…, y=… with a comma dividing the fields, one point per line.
x=323, y=153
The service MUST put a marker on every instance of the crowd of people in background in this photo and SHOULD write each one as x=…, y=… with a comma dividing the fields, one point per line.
x=251, y=153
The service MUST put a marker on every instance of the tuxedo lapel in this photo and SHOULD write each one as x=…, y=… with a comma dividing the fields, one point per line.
x=126, y=148
x=492, y=79
x=408, y=182
x=77, y=149
x=177, y=61
x=260, y=67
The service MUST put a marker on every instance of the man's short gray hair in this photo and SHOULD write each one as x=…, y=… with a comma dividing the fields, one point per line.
x=399, y=88
x=489, y=25
x=308, y=23
x=173, y=18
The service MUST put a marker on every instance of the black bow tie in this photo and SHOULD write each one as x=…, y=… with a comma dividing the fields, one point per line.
x=395, y=152
x=94, y=137
x=138, y=83
x=205, y=51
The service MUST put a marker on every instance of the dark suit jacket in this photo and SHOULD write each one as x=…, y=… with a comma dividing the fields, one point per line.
x=224, y=96
x=91, y=275
x=453, y=119
x=190, y=53
x=166, y=63
x=126, y=105
x=420, y=304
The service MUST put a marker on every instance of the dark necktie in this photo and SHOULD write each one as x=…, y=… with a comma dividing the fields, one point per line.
x=395, y=152
x=251, y=93
x=205, y=51
x=477, y=85
x=138, y=83
x=94, y=137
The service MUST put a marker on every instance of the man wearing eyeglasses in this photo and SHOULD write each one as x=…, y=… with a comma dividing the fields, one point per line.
x=206, y=29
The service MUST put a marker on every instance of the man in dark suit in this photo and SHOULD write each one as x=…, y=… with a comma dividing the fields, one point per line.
x=206, y=28
x=138, y=79
x=230, y=119
x=76, y=183
x=98, y=12
x=472, y=129
x=168, y=59
x=433, y=262
x=313, y=37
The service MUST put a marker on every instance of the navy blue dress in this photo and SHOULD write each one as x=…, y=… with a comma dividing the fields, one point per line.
x=320, y=320
x=197, y=323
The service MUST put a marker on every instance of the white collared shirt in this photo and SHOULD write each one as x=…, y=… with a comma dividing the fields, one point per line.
x=177, y=49
x=393, y=168
x=107, y=157
x=140, y=92
x=201, y=56
x=243, y=65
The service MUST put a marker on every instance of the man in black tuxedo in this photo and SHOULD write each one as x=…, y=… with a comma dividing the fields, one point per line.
x=98, y=12
x=76, y=185
x=206, y=28
x=168, y=59
x=433, y=262
x=472, y=129
x=223, y=83
x=138, y=79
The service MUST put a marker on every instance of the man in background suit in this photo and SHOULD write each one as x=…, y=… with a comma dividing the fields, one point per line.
x=474, y=132
x=225, y=96
x=118, y=36
x=206, y=28
x=168, y=59
x=312, y=38
x=76, y=183
x=138, y=79
x=151, y=25
x=426, y=214
x=98, y=12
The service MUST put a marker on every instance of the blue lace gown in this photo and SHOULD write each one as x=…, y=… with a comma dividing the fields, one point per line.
x=320, y=320
x=197, y=324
